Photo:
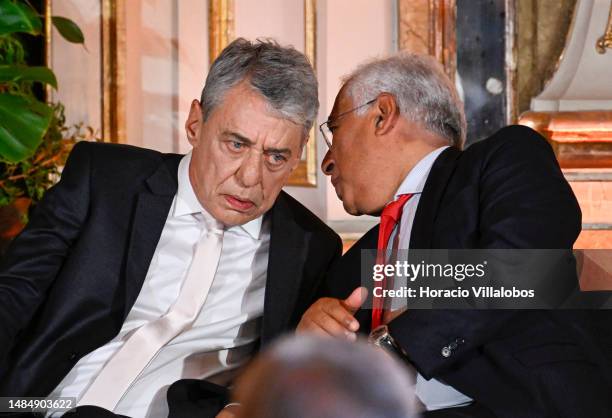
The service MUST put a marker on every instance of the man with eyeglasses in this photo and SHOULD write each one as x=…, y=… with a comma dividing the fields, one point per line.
x=395, y=138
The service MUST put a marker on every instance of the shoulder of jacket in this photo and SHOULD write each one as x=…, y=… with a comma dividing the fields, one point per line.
x=306, y=218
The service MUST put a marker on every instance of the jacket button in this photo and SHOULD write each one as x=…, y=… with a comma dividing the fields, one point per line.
x=446, y=352
x=73, y=356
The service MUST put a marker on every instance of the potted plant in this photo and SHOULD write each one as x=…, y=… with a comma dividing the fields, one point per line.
x=34, y=137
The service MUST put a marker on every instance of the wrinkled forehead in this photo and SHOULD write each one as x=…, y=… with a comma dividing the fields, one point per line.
x=342, y=103
x=261, y=129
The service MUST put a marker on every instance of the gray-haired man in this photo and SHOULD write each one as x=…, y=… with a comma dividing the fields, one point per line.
x=139, y=268
x=395, y=134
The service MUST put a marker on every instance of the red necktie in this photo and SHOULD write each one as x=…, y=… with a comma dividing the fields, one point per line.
x=389, y=217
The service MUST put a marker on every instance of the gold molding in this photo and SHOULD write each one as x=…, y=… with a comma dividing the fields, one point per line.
x=48, y=46
x=511, y=62
x=563, y=53
x=305, y=174
x=113, y=71
x=442, y=34
x=221, y=26
x=580, y=139
x=428, y=26
x=605, y=41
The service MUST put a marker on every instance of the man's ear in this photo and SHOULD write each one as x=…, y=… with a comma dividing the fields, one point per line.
x=194, y=121
x=387, y=112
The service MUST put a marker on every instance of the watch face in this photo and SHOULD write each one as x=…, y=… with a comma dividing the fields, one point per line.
x=384, y=342
x=377, y=333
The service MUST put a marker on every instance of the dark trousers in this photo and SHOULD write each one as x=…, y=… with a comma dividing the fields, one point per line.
x=473, y=410
x=187, y=398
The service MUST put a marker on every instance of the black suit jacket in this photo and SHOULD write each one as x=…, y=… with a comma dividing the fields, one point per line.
x=69, y=280
x=504, y=192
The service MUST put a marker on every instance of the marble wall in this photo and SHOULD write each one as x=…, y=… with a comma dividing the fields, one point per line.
x=542, y=28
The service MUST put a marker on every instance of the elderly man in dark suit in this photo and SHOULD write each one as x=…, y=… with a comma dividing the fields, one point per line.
x=395, y=135
x=139, y=269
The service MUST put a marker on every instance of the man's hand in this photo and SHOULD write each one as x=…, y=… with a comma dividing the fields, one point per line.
x=329, y=316
x=230, y=411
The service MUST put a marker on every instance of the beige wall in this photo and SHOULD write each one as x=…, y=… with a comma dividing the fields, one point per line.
x=167, y=61
x=166, y=65
x=279, y=19
x=78, y=68
x=351, y=32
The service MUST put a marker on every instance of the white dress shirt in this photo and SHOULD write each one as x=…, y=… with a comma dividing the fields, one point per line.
x=432, y=393
x=224, y=334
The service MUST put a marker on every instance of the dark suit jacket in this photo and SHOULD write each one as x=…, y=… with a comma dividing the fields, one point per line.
x=69, y=280
x=504, y=192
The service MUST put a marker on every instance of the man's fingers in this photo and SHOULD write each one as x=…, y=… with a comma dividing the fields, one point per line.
x=334, y=328
x=341, y=314
x=230, y=411
x=308, y=325
x=356, y=299
x=330, y=316
x=326, y=326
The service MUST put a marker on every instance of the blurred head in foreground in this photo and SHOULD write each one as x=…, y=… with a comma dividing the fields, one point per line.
x=314, y=377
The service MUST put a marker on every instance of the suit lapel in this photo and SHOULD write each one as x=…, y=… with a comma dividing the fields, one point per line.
x=285, y=264
x=149, y=218
x=441, y=171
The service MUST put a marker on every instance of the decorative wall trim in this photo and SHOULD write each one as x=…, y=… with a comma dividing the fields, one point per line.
x=580, y=139
x=588, y=175
x=113, y=71
x=597, y=227
x=305, y=174
x=428, y=26
x=48, y=45
x=605, y=41
x=221, y=27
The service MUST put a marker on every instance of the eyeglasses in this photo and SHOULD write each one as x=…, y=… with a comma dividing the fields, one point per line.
x=327, y=133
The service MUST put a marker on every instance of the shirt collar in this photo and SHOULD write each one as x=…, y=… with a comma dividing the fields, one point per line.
x=416, y=178
x=253, y=228
x=187, y=203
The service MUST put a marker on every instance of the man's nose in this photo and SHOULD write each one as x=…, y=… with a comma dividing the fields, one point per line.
x=328, y=164
x=250, y=172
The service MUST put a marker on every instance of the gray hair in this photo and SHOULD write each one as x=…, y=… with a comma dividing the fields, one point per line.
x=315, y=377
x=423, y=92
x=282, y=75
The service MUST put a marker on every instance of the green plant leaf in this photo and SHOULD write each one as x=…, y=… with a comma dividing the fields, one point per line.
x=18, y=17
x=23, y=123
x=25, y=73
x=68, y=29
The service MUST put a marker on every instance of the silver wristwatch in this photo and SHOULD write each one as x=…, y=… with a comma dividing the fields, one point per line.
x=381, y=337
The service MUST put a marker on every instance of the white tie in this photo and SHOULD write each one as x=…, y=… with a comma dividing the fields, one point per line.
x=124, y=367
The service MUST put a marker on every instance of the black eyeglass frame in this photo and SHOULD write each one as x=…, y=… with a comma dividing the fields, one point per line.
x=328, y=121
